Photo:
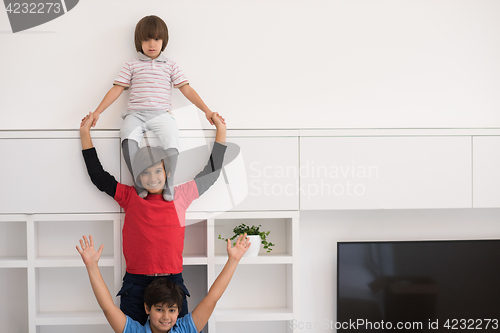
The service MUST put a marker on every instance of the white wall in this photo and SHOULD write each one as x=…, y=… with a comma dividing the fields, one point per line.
x=269, y=64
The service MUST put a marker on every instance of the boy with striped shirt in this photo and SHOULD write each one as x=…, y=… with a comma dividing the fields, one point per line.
x=150, y=78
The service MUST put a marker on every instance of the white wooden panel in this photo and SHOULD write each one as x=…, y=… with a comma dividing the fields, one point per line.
x=263, y=176
x=53, y=290
x=13, y=300
x=49, y=176
x=257, y=278
x=13, y=241
x=486, y=171
x=385, y=172
x=57, y=239
x=271, y=165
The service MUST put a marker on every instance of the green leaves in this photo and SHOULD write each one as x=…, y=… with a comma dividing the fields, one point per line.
x=253, y=230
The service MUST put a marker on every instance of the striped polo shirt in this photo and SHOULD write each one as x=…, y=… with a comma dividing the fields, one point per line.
x=150, y=82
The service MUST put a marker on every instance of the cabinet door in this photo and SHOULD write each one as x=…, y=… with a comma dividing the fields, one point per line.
x=272, y=172
x=486, y=171
x=261, y=173
x=49, y=176
x=385, y=172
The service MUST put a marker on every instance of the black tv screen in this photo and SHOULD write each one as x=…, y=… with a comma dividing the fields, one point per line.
x=443, y=285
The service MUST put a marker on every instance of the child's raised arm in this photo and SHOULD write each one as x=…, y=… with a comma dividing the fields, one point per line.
x=90, y=257
x=85, y=131
x=209, y=175
x=204, y=310
x=220, y=125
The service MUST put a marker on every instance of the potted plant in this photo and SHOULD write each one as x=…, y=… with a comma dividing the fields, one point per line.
x=256, y=237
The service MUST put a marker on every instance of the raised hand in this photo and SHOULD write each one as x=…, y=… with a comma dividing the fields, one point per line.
x=239, y=249
x=89, y=255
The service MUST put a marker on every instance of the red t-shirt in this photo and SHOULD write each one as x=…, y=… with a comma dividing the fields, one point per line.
x=153, y=230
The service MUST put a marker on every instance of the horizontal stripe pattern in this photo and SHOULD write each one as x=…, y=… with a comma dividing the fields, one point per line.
x=150, y=82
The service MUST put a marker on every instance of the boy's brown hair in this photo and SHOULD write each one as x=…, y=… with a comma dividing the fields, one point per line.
x=150, y=27
x=161, y=291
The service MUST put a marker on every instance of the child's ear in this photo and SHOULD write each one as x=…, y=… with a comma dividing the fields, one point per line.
x=147, y=308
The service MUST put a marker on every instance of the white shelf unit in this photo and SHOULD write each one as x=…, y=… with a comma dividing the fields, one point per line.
x=40, y=249
x=273, y=276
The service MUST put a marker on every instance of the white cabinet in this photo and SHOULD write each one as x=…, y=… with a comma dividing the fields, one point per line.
x=271, y=165
x=486, y=171
x=45, y=274
x=48, y=175
x=385, y=172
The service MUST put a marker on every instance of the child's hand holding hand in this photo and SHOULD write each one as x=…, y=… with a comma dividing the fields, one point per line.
x=88, y=253
x=209, y=115
x=87, y=122
x=218, y=121
x=239, y=249
x=96, y=118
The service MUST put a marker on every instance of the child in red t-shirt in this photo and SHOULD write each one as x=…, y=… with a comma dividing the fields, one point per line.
x=153, y=227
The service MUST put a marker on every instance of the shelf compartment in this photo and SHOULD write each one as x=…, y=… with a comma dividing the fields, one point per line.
x=192, y=276
x=13, y=241
x=14, y=299
x=55, y=286
x=281, y=234
x=195, y=241
x=58, y=239
x=273, y=283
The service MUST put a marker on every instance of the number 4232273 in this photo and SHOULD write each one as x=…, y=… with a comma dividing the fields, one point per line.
x=471, y=324
x=33, y=8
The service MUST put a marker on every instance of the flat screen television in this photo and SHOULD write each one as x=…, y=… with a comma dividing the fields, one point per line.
x=445, y=286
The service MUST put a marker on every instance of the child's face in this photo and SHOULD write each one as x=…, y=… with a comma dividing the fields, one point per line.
x=153, y=178
x=152, y=47
x=162, y=317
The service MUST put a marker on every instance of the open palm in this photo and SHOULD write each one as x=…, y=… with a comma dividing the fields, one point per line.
x=239, y=249
x=89, y=254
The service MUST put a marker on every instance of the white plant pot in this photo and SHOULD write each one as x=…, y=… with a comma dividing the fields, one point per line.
x=253, y=250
